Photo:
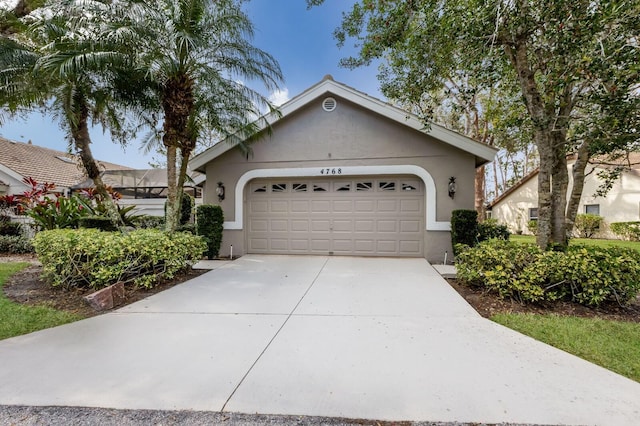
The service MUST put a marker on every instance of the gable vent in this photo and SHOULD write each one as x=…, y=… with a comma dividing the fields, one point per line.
x=329, y=104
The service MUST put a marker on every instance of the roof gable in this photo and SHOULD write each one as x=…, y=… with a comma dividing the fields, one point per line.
x=483, y=153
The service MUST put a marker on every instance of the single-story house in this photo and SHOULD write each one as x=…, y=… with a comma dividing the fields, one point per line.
x=519, y=204
x=19, y=160
x=343, y=173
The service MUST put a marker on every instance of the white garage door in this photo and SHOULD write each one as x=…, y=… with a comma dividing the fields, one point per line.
x=364, y=216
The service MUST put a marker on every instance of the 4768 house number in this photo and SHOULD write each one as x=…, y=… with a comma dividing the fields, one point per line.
x=331, y=171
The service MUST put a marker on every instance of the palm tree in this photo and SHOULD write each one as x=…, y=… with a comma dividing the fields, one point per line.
x=67, y=63
x=198, y=51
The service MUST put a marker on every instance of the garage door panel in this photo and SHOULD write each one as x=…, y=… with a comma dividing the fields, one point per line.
x=411, y=206
x=387, y=225
x=300, y=245
x=342, y=225
x=320, y=206
x=409, y=226
x=279, y=244
x=320, y=225
x=258, y=206
x=299, y=225
x=258, y=244
x=279, y=206
x=343, y=216
x=365, y=206
x=364, y=225
x=279, y=225
x=299, y=206
x=386, y=246
x=387, y=206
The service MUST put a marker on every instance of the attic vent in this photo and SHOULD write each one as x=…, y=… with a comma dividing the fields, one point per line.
x=329, y=104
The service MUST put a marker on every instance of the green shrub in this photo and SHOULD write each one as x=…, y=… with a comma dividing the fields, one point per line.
x=464, y=228
x=149, y=222
x=93, y=258
x=13, y=244
x=586, y=225
x=209, y=224
x=629, y=231
x=490, y=229
x=589, y=275
x=97, y=222
x=61, y=212
x=532, y=225
x=188, y=227
x=9, y=228
x=186, y=208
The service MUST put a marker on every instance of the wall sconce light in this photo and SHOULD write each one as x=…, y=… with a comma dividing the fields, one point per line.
x=453, y=187
x=220, y=191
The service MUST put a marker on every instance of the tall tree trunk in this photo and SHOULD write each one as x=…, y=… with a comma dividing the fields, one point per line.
x=559, y=187
x=178, y=105
x=578, y=171
x=545, y=201
x=171, y=216
x=82, y=142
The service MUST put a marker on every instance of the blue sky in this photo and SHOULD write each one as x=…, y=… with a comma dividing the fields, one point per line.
x=300, y=39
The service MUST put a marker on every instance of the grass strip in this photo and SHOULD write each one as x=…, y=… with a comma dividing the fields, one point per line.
x=613, y=345
x=17, y=319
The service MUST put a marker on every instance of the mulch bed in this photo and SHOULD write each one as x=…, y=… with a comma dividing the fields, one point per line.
x=28, y=288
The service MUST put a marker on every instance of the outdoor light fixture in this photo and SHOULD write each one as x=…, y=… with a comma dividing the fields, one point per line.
x=452, y=187
x=220, y=191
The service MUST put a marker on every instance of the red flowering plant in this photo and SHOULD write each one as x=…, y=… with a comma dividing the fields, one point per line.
x=50, y=209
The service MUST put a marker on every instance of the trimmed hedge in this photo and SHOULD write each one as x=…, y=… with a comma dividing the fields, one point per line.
x=464, y=228
x=588, y=275
x=630, y=231
x=209, y=224
x=587, y=225
x=490, y=229
x=93, y=258
x=13, y=244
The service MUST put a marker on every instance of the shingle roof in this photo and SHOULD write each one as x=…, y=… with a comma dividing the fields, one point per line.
x=45, y=164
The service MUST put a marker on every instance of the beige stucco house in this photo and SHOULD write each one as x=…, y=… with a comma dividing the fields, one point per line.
x=346, y=174
x=519, y=204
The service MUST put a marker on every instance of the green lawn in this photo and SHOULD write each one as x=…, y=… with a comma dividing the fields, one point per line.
x=16, y=319
x=586, y=241
x=611, y=344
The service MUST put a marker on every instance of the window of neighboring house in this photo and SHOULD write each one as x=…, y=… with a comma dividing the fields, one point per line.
x=592, y=209
x=488, y=214
x=533, y=213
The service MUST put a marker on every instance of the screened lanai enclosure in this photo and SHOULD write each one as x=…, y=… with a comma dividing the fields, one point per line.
x=146, y=188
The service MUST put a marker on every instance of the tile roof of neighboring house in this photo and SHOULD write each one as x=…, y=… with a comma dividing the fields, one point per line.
x=631, y=160
x=44, y=164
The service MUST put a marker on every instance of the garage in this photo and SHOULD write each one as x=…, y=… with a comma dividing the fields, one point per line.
x=359, y=216
x=339, y=172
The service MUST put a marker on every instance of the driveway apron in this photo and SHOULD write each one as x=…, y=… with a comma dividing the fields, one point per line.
x=350, y=337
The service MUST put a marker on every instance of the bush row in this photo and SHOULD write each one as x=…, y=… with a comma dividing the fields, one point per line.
x=588, y=275
x=93, y=258
x=628, y=230
x=13, y=244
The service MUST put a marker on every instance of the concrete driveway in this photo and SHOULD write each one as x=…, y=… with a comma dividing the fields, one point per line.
x=329, y=336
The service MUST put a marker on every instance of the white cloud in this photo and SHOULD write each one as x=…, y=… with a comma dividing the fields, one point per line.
x=279, y=97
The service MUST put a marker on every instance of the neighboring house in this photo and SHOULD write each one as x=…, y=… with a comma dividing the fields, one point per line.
x=346, y=174
x=19, y=160
x=145, y=188
x=519, y=204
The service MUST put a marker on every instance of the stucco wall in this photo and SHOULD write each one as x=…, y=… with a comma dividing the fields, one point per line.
x=621, y=204
x=348, y=136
